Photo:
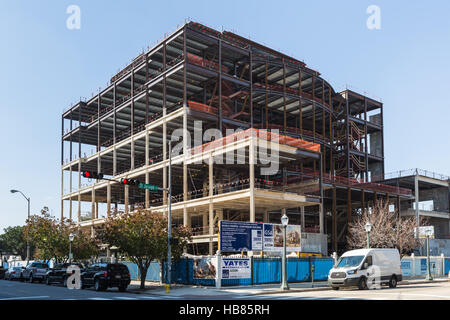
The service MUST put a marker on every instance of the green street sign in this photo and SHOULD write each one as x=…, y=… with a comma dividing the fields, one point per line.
x=151, y=187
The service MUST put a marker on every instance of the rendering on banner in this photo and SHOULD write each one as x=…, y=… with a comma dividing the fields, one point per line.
x=237, y=236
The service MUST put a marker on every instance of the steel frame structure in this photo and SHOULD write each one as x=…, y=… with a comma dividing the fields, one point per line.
x=227, y=82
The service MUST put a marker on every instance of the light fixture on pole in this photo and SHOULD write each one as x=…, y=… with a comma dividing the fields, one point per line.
x=368, y=228
x=28, y=200
x=284, y=223
x=71, y=237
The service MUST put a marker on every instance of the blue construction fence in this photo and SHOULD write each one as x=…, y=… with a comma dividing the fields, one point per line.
x=447, y=266
x=264, y=271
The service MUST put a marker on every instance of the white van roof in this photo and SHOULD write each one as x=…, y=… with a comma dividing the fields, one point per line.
x=363, y=252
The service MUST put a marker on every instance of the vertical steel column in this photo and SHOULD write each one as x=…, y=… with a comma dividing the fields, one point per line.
x=363, y=202
x=252, y=177
x=132, y=152
x=330, y=104
x=108, y=199
x=114, y=130
x=211, y=205
x=147, y=175
x=70, y=169
x=335, y=234
x=416, y=197
x=349, y=209
x=284, y=97
x=93, y=203
x=365, y=141
x=267, y=94
x=186, y=219
x=347, y=132
x=220, y=86
x=322, y=210
x=62, y=170
x=251, y=87
x=79, y=163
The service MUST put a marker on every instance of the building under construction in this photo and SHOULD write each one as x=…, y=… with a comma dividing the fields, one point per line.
x=330, y=144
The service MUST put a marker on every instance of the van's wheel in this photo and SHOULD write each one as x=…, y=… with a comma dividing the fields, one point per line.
x=123, y=288
x=65, y=282
x=335, y=288
x=393, y=282
x=47, y=280
x=362, y=284
x=30, y=279
x=82, y=286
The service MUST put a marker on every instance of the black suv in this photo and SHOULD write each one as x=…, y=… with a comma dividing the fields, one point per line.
x=106, y=275
x=58, y=274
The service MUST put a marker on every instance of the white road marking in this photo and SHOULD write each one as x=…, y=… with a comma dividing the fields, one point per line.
x=125, y=298
x=25, y=298
x=97, y=298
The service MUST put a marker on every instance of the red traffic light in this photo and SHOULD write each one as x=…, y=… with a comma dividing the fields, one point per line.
x=130, y=182
x=92, y=175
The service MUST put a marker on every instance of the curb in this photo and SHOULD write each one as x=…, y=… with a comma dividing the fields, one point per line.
x=292, y=290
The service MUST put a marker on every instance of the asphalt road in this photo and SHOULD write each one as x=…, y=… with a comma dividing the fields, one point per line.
x=15, y=290
x=429, y=291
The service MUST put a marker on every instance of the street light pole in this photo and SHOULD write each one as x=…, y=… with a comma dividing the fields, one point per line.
x=284, y=222
x=169, y=218
x=28, y=200
x=71, y=236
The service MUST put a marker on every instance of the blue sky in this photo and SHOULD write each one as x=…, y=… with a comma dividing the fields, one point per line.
x=45, y=67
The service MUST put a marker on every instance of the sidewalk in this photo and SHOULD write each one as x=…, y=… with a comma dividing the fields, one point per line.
x=179, y=290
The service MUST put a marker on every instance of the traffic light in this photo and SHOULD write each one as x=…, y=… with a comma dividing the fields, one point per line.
x=92, y=175
x=130, y=182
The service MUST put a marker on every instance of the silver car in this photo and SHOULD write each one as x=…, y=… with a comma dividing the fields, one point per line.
x=14, y=273
x=35, y=271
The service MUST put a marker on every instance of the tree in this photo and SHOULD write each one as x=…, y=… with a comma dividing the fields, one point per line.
x=388, y=230
x=13, y=241
x=141, y=237
x=51, y=238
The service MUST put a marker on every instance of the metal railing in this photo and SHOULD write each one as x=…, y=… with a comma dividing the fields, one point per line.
x=413, y=172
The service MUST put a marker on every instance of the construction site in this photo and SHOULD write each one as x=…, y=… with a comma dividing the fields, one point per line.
x=330, y=152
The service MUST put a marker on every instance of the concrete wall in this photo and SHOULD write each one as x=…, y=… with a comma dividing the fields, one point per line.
x=439, y=197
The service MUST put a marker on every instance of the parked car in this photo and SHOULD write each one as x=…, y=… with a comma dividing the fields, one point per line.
x=14, y=273
x=354, y=266
x=58, y=274
x=35, y=270
x=106, y=275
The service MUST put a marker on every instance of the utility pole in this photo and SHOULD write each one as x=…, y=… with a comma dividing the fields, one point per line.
x=169, y=219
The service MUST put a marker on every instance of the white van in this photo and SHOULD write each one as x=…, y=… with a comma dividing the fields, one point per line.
x=363, y=266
